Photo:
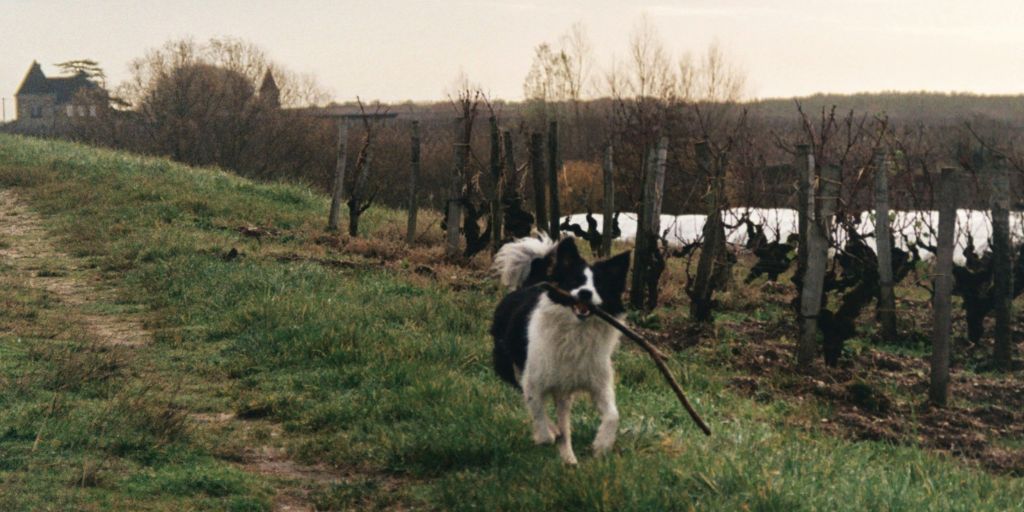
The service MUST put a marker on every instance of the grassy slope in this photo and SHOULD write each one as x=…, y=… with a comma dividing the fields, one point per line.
x=382, y=373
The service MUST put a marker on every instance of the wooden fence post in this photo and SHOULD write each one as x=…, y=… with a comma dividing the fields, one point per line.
x=883, y=243
x=510, y=192
x=537, y=170
x=1002, y=263
x=554, y=167
x=661, y=162
x=454, y=219
x=646, y=259
x=938, y=391
x=655, y=263
x=337, y=189
x=414, y=176
x=510, y=160
x=803, y=165
x=821, y=205
x=608, y=202
x=496, y=178
x=640, y=260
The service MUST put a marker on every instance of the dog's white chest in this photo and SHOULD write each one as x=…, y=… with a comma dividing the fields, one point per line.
x=567, y=353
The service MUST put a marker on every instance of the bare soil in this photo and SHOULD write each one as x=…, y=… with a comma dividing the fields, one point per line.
x=879, y=394
x=29, y=250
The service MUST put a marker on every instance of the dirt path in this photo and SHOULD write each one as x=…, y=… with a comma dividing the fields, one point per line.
x=270, y=460
x=31, y=252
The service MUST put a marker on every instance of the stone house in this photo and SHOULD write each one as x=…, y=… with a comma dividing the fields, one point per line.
x=48, y=105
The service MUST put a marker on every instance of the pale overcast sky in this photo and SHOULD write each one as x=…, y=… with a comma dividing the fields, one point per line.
x=409, y=49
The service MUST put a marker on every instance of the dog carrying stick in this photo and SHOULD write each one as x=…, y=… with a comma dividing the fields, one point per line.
x=653, y=352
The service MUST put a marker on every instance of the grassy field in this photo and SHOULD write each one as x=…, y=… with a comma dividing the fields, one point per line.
x=367, y=377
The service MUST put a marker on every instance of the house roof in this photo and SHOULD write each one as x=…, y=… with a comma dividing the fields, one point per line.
x=35, y=81
x=63, y=87
x=268, y=82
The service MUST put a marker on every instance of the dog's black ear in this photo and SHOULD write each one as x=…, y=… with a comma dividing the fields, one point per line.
x=540, y=270
x=567, y=254
x=614, y=270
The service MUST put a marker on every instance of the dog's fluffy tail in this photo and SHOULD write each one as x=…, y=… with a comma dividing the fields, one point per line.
x=514, y=260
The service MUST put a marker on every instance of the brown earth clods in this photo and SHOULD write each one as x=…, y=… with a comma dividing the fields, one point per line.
x=881, y=396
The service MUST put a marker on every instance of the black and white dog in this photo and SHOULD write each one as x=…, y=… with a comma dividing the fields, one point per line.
x=549, y=346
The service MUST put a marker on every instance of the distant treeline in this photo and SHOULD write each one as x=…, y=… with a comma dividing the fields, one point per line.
x=209, y=104
x=922, y=131
x=929, y=107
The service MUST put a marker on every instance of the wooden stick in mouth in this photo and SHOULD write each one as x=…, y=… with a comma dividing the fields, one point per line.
x=651, y=351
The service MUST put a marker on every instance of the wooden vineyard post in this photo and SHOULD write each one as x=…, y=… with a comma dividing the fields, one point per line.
x=554, y=167
x=821, y=205
x=510, y=160
x=496, y=179
x=510, y=197
x=414, y=176
x=454, y=219
x=608, y=202
x=660, y=165
x=883, y=242
x=1002, y=263
x=938, y=391
x=538, y=174
x=646, y=259
x=803, y=166
x=337, y=189
x=655, y=265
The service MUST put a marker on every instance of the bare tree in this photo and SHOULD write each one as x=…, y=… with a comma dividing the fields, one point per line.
x=199, y=103
x=644, y=105
x=362, y=192
x=88, y=67
x=709, y=89
x=461, y=210
x=650, y=73
x=560, y=73
x=557, y=83
x=540, y=87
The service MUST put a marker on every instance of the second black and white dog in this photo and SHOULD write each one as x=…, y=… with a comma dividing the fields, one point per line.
x=552, y=347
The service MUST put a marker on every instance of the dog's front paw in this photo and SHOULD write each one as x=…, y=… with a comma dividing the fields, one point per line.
x=554, y=431
x=545, y=435
x=569, y=459
x=602, y=447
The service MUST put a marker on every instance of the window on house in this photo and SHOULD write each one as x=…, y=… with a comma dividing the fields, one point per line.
x=71, y=110
x=37, y=111
x=92, y=110
x=81, y=111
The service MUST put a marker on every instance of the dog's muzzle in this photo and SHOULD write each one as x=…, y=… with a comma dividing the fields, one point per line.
x=581, y=310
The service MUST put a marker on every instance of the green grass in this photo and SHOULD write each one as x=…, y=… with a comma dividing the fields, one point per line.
x=77, y=432
x=369, y=369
